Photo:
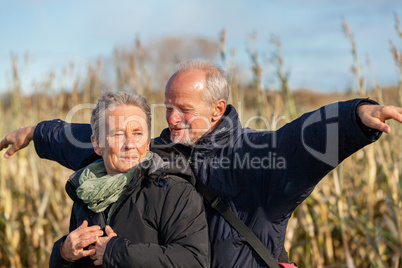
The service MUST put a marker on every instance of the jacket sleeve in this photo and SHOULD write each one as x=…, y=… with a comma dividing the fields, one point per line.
x=183, y=236
x=300, y=154
x=68, y=144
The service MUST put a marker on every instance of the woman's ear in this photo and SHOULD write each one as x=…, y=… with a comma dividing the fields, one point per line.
x=95, y=144
x=218, y=110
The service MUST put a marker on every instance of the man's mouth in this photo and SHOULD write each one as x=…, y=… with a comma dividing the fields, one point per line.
x=177, y=128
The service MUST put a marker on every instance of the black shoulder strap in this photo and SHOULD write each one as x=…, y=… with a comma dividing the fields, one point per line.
x=217, y=204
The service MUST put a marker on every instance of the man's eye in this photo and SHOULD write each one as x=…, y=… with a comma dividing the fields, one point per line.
x=169, y=109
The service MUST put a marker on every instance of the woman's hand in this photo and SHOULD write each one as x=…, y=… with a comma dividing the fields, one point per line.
x=100, y=246
x=73, y=247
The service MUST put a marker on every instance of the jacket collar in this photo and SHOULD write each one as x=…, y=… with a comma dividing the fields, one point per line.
x=222, y=136
x=143, y=170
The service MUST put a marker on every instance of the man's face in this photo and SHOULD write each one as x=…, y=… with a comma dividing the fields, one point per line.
x=188, y=116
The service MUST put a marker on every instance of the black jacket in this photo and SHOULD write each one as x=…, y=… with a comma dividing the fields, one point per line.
x=262, y=175
x=160, y=222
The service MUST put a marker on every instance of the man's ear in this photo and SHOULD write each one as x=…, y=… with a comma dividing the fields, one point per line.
x=218, y=110
x=95, y=144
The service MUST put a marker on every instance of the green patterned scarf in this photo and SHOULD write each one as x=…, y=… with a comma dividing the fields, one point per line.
x=98, y=189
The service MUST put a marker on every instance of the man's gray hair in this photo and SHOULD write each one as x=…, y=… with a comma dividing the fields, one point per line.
x=216, y=82
x=110, y=99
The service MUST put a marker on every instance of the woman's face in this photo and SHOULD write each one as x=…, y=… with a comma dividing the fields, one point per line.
x=123, y=138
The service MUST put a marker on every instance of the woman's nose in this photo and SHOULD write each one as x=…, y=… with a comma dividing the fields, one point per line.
x=131, y=141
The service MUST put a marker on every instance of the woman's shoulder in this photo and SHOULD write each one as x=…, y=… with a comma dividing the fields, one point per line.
x=165, y=179
x=165, y=174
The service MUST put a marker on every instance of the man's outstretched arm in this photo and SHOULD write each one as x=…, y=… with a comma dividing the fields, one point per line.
x=301, y=153
x=51, y=141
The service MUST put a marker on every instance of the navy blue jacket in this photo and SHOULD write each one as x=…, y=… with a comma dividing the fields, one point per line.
x=262, y=175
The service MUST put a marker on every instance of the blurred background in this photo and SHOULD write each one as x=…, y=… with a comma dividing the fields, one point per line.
x=54, y=34
x=282, y=59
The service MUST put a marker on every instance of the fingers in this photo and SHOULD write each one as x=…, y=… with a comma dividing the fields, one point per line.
x=83, y=253
x=10, y=152
x=86, y=242
x=381, y=126
x=5, y=143
x=80, y=238
x=86, y=253
x=19, y=139
x=98, y=262
x=385, y=128
x=85, y=239
x=374, y=116
x=83, y=233
x=109, y=231
x=84, y=229
x=101, y=244
x=83, y=224
x=383, y=113
x=392, y=112
x=73, y=249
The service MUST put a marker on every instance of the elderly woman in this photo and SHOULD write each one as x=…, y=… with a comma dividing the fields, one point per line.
x=149, y=219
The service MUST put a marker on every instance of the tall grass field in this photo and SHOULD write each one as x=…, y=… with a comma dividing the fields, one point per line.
x=352, y=219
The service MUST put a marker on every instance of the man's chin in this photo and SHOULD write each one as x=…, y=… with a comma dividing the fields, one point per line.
x=181, y=140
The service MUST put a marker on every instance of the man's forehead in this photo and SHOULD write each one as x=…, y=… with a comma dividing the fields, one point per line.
x=187, y=79
x=181, y=94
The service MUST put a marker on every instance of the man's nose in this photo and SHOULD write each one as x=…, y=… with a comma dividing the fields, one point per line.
x=174, y=117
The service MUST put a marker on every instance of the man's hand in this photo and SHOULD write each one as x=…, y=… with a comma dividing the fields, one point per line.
x=73, y=247
x=374, y=116
x=100, y=246
x=19, y=139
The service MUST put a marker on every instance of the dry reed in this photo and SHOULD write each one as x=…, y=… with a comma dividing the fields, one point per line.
x=352, y=219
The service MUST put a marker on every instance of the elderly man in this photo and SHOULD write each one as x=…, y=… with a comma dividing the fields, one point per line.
x=261, y=175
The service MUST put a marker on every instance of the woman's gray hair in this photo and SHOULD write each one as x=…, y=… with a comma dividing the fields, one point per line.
x=110, y=99
x=216, y=83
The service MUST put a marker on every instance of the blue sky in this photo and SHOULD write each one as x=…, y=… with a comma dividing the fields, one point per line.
x=315, y=49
